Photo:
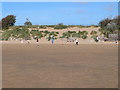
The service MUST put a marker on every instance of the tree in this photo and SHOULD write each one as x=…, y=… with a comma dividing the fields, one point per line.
x=104, y=22
x=8, y=21
x=27, y=23
x=105, y=32
x=117, y=21
x=110, y=26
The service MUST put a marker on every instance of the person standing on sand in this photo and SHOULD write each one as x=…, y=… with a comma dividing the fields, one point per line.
x=37, y=40
x=76, y=42
x=97, y=38
x=52, y=40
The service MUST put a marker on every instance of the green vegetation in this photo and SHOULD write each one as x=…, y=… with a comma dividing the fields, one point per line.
x=17, y=33
x=52, y=35
x=60, y=26
x=94, y=35
x=8, y=21
x=84, y=34
x=28, y=31
x=6, y=35
x=66, y=35
x=110, y=26
x=46, y=33
x=79, y=34
x=28, y=23
x=36, y=34
x=42, y=27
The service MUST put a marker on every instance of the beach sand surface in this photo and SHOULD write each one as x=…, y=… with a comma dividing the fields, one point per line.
x=60, y=66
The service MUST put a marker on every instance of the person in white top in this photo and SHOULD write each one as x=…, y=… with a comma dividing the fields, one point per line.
x=97, y=38
x=76, y=42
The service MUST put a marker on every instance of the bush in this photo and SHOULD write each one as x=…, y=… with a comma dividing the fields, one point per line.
x=71, y=32
x=57, y=32
x=27, y=23
x=36, y=34
x=42, y=27
x=6, y=35
x=76, y=35
x=46, y=33
x=93, y=32
x=84, y=36
x=60, y=26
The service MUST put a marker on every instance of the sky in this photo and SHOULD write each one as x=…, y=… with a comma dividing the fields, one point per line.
x=69, y=13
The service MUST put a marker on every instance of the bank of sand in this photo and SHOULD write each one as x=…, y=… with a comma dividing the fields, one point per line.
x=89, y=40
x=60, y=66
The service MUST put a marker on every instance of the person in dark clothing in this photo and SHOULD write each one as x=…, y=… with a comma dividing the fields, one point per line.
x=37, y=40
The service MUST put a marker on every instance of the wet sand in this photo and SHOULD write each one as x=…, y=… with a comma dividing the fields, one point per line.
x=60, y=66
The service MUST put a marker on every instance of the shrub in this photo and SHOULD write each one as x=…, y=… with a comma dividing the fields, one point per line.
x=84, y=36
x=6, y=35
x=76, y=35
x=93, y=32
x=71, y=32
x=42, y=27
x=36, y=34
x=60, y=26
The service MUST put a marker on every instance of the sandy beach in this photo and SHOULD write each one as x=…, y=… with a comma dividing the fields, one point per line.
x=63, y=44
x=60, y=65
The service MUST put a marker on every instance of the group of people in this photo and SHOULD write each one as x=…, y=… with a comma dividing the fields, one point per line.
x=76, y=41
x=52, y=41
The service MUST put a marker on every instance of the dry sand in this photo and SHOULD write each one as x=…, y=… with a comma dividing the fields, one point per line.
x=60, y=66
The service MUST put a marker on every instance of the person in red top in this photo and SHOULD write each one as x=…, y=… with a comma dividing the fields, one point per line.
x=37, y=40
